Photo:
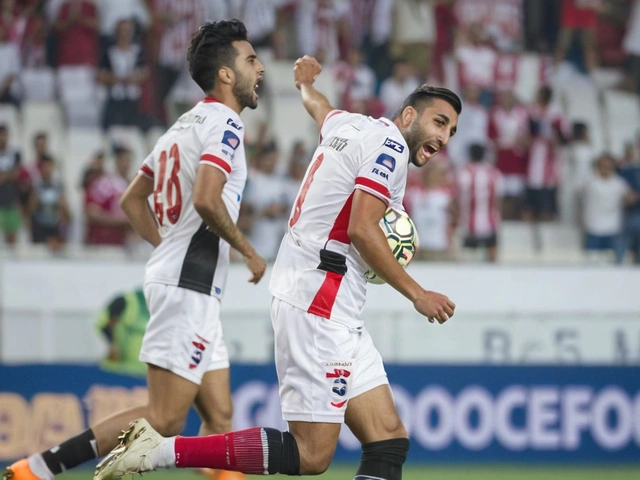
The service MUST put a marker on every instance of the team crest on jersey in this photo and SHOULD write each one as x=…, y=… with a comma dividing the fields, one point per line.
x=231, y=139
x=393, y=145
x=233, y=124
x=387, y=161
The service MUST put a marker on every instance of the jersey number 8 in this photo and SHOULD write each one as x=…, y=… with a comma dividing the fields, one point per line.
x=167, y=196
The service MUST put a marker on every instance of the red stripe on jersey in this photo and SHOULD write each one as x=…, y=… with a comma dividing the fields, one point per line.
x=146, y=170
x=341, y=225
x=213, y=160
x=325, y=298
x=211, y=100
x=367, y=182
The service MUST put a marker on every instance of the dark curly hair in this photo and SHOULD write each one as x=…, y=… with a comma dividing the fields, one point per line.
x=211, y=49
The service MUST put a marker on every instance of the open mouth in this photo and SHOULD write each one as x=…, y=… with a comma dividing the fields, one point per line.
x=429, y=150
x=255, y=89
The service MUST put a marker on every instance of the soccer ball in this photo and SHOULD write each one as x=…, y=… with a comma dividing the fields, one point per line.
x=402, y=238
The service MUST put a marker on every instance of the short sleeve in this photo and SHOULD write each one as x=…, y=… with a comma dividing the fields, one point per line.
x=333, y=119
x=221, y=145
x=147, y=168
x=383, y=172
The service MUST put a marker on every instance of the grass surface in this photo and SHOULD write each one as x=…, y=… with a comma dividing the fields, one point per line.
x=465, y=472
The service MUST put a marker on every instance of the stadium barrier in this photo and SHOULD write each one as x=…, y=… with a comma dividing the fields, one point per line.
x=495, y=414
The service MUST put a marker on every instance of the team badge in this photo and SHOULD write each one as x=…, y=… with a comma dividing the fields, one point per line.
x=231, y=139
x=387, y=161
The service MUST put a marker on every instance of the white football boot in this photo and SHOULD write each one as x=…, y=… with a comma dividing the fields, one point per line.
x=132, y=454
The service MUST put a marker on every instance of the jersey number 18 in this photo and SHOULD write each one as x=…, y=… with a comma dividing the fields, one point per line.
x=167, y=196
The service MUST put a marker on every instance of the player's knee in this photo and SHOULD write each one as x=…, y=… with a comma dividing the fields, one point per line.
x=166, y=424
x=220, y=421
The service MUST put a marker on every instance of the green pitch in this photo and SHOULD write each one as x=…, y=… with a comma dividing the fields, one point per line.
x=464, y=472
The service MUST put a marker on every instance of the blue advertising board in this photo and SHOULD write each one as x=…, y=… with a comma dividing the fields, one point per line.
x=453, y=413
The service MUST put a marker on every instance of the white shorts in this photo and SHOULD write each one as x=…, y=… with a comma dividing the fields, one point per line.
x=513, y=185
x=184, y=334
x=321, y=364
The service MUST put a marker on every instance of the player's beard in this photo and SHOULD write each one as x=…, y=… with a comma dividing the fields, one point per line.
x=415, y=136
x=243, y=91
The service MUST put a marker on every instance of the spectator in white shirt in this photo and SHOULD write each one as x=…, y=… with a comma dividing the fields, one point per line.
x=266, y=200
x=9, y=68
x=605, y=196
x=473, y=127
x=399, y=86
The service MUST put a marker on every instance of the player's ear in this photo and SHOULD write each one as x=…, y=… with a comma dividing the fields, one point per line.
x=226, y=75
x=408, y=115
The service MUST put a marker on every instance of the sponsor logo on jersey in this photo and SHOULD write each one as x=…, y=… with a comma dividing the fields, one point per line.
x=393, y=145
x=377, y=171
x=387, y=161
x=231, y=139
x=336, y=143
x=233, y=124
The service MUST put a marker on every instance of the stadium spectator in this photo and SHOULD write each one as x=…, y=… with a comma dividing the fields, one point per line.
x=631, y=46
x=605, y=197
x=12, y=19
x=113, y=11
x=266, y=198
x=356, y=84
x=414, y=33
x=48, y=208
x=176, y=21
x=432, y=206
x=93, y=171
x=502, y=20
x=76, y=27
x=579, y=17
x=319, y=26
x=123, y=70
x=479, y=193
x=509, y=132
x=630, y=172
x=106, y=222
x=297, y=167
x=473, y=127
x=9, y=67
x=549, y=130
x=9, y=207
x=397, y=87
x=477, y=60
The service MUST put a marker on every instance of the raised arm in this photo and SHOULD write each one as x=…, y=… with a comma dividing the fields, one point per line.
x=305, y=72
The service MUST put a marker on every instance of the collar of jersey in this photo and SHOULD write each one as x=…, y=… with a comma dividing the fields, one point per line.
x=211, y=100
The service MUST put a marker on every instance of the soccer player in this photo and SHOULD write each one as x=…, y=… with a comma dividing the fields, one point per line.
x=196, y=174
x=329, y=371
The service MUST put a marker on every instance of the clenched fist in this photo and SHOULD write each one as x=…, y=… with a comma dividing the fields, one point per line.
x=306, y=70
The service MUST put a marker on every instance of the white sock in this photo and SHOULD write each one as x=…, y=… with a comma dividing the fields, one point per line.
x=164, y=455
x=39, y=467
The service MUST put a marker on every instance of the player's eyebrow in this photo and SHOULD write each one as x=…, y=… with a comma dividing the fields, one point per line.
x=253, y=56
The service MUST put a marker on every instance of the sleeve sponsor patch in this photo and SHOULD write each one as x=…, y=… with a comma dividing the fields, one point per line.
x=233, y=124
x=231, y=139
x=387, y=161
x=393, y=145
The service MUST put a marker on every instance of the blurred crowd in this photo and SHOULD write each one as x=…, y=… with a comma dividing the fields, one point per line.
x=122, y=63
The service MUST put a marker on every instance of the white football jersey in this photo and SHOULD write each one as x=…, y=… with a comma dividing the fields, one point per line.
x=210, y=135
x=317, y=268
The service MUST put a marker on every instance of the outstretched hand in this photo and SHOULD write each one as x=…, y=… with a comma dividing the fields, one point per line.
x=306, y=70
